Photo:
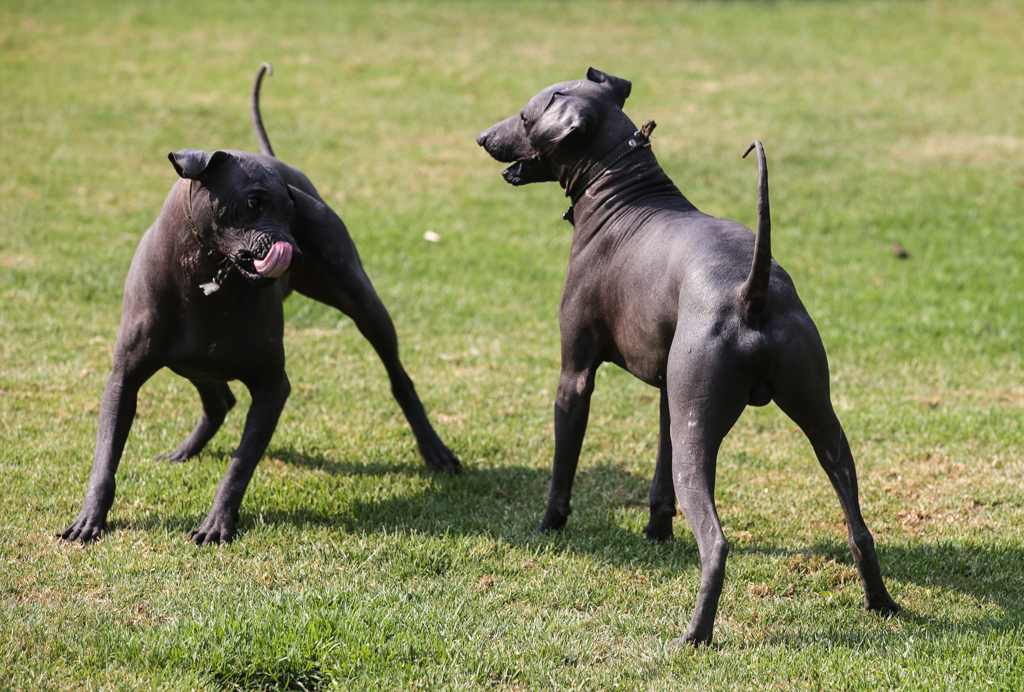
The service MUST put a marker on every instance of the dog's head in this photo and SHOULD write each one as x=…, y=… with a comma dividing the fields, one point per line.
x=561, y=130
x=240, y=207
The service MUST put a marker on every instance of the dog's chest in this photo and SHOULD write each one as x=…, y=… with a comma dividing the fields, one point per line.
x=226, y=336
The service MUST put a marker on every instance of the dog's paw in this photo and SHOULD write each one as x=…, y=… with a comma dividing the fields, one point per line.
x=177, y=456
x=694, y=637
x=658, y=529
x=215, y=530
x=884, y=605
x=181, y=453
x=85, y=529
x=686, y=640
x=439, y=457
x=553, y=521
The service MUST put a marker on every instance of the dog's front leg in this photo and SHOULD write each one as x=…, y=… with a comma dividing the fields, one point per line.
x=663, y=494
x=117, y=411
x=268, y=398
x=572, y=409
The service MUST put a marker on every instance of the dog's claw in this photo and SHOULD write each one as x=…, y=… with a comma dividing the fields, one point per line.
x=659, y=529
x=84, y=530
x=658, y=535
x=213, y=538
x=215, y=530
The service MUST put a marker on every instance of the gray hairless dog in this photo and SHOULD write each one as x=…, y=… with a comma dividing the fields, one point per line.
x=689, y=303
x=238, y=232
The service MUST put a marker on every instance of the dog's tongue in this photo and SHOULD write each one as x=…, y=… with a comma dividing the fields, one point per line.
x=277, y=260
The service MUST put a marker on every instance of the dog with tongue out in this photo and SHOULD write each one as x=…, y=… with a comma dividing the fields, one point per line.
x=238, y=232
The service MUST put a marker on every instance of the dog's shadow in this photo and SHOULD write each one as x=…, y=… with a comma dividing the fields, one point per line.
x=502, y=502
x=505, y=503
x=951, y=575
x=610, y=504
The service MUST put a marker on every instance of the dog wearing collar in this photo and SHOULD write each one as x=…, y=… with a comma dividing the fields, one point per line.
x=691, y=304
x=238, y=232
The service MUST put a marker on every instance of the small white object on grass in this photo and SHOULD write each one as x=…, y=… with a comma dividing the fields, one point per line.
x=431, y=237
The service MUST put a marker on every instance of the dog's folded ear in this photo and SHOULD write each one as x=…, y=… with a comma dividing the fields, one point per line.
x=191, y=163
x=620, y=87
x=564, y=115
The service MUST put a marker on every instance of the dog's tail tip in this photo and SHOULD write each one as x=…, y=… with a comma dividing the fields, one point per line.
x=755, y=290
x=257, y=120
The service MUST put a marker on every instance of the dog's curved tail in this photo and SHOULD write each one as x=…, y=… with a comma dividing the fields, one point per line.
x=257, y=121
x=755, y=290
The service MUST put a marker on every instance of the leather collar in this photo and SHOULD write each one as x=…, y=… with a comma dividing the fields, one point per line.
x=641, y=139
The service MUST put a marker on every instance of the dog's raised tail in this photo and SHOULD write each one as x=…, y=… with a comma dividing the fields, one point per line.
x=755, y=290
x=257, y=121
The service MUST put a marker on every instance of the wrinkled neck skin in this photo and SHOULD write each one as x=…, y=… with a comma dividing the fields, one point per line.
x=622, y=199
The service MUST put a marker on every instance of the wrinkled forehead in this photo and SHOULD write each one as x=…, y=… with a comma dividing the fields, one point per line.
x=255, y=169
x=243, y=169
x=541, y=101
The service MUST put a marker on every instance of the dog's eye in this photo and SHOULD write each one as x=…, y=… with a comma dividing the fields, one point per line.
x=254, y=202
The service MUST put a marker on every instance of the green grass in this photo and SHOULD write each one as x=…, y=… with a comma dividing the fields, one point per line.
x=355, y=567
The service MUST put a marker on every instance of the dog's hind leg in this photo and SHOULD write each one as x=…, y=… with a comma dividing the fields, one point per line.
x=217, y=401
x=706, y=396
x=333, y=274
x=801, y=389
x=663, y=494
x=354, y=295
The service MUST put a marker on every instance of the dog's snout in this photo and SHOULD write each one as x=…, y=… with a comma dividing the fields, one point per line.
x=506, y=141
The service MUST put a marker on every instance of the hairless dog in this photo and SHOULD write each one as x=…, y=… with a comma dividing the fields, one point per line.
x=238, y=232
x=689, y=303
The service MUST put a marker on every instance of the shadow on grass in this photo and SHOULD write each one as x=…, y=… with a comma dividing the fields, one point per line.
x=992, y=574
x=505, y=504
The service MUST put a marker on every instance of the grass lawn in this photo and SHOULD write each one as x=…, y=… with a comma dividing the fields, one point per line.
x=357, y=568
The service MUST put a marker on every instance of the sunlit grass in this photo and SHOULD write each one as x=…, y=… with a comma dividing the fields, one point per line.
x=355, y=567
